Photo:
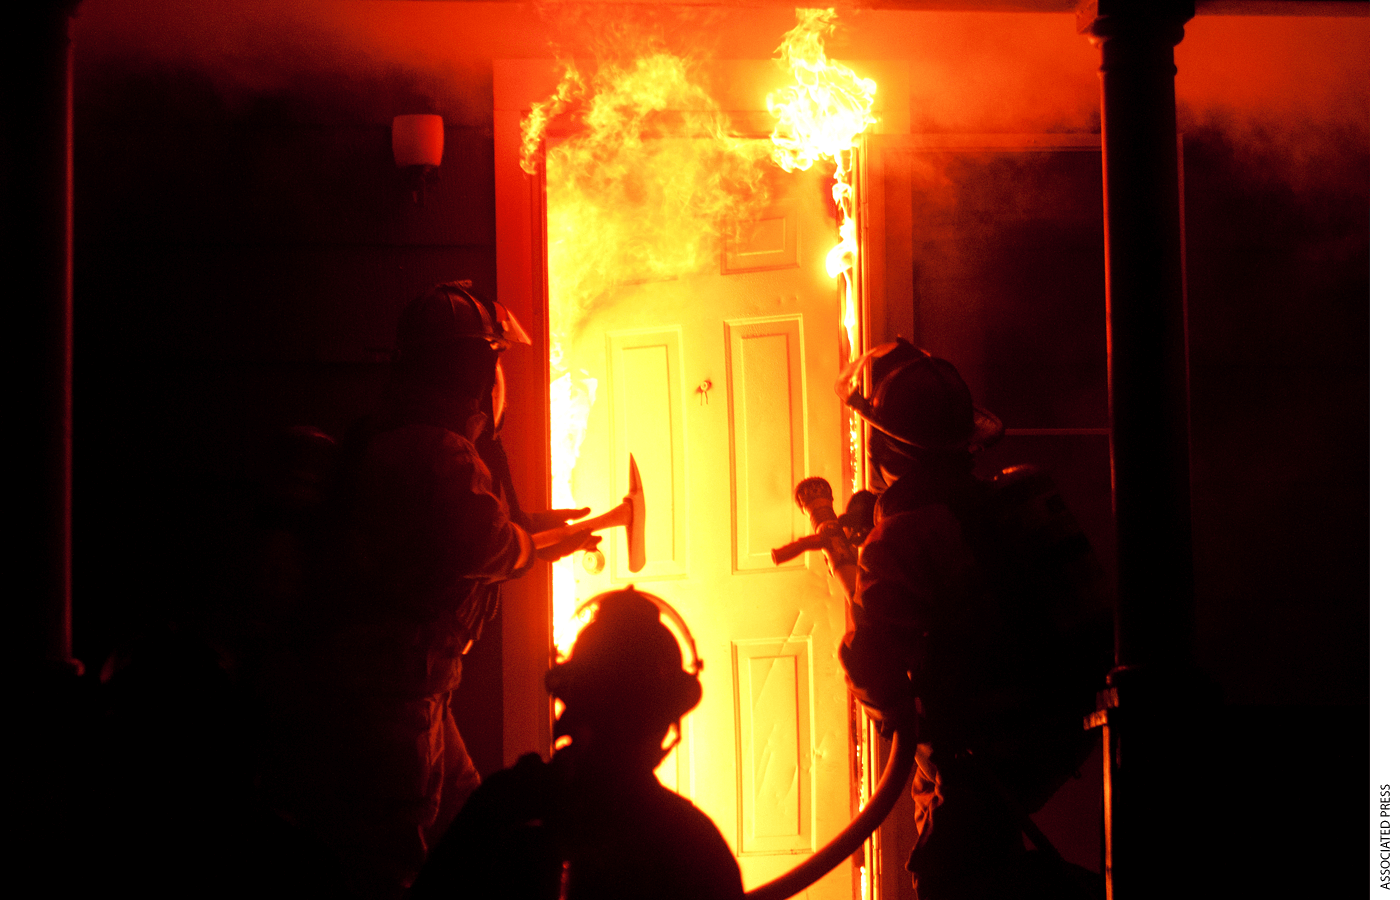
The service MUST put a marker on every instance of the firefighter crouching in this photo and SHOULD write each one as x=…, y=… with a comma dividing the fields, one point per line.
x=981, y=612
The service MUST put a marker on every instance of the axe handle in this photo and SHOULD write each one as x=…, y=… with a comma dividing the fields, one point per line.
x=618, y=515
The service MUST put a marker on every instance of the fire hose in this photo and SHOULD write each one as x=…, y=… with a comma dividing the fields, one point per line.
x=814, y=497
x=886, y=793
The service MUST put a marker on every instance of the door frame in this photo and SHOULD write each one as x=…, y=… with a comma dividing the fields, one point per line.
x=522, y=285
x=521, y=240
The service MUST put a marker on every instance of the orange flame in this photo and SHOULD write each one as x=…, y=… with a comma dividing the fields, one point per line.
x=532, y=129
x=569, y=403
x=627, y=202
x=821, y=117
x=641, y=188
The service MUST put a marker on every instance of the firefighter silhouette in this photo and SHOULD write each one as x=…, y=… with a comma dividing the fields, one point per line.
x=981, y=620
x=594, y=822
x=418, y=530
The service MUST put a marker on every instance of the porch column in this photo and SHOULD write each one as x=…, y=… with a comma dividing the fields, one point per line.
x=1148, y=700
x=36, y=193
x=38, y=202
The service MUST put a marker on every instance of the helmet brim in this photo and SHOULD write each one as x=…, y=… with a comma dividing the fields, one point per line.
x=987, y=429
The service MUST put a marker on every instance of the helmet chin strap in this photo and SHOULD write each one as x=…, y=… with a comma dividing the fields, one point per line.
x=498, y=396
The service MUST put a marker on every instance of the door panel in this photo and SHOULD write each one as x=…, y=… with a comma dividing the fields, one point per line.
x=768, y=438
x=644, y=393
x=772, y=697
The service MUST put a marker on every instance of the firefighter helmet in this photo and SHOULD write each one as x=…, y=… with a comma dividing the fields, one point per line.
x=917, y=399
x=627, y=665
x=449, y=314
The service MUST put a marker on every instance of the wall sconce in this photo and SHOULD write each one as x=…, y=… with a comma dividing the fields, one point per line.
x=418, y=151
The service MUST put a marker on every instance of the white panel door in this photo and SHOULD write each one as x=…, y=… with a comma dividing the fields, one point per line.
x=720, y=384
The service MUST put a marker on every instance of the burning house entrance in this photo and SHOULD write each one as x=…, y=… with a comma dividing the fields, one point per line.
x=712, y=381
x=700, y=302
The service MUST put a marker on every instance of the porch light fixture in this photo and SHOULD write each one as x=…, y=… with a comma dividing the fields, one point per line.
x=418, y=150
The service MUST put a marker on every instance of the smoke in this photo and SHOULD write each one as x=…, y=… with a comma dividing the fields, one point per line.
x=647, y=173
x=987, y=73
x=327, y=61
x=1290, y=96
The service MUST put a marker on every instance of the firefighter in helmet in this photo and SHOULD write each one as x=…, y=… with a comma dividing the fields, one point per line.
x=595, y=815
x=421, y=529
x=980, y=623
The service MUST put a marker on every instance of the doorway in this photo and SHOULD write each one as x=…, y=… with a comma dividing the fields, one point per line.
x=715, y=382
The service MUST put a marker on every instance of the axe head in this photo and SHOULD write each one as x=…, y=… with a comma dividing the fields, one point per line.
x=636, y=523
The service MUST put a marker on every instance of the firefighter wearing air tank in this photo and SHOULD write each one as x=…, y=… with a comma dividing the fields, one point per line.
x=980, y=623
x=421, y=529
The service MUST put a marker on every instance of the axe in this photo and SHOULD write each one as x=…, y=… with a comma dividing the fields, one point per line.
x=631, y=514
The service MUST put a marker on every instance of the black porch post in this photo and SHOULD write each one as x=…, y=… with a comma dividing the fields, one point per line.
x=1144, y=735
x=38, y=221
x=36, y=209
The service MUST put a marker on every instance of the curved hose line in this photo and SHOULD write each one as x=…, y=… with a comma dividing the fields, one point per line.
x=887, y=792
